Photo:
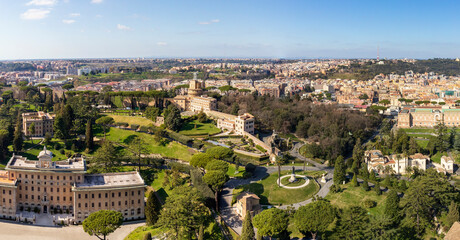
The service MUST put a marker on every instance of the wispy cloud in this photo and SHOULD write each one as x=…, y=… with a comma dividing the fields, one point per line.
x=162, y=43
x=74, y=14
x=96, y=1
x=35, y=14
x=42, y=3
x=123, y=27
x=209, y=22
x=68, y=21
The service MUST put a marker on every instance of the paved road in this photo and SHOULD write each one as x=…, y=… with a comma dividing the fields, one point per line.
x=228, y=212
x=17, y=231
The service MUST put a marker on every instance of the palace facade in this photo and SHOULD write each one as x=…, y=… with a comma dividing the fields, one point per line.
x=428, y=117
x=48, y=186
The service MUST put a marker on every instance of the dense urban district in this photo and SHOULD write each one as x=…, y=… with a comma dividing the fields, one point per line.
x=231, y=148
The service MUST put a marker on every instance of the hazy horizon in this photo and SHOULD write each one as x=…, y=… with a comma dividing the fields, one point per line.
x=70, y=29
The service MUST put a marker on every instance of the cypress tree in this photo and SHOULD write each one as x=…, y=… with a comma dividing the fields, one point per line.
x=89, y=135
x=366, y=185
x=339, y=170
x=392, y=206
x=387, y=182
x=152, y=209
x=248, y=229
x=453, y=215
x=377, y=189
x=354, y=181
x=18, y=140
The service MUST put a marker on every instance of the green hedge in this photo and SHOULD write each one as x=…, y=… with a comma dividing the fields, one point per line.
x=180, y=138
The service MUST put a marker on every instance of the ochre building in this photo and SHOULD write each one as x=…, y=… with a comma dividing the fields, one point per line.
x=428, y=117
x=64, y=186
x=43, y=123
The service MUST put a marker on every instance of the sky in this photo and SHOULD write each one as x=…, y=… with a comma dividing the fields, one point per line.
x=51, y=29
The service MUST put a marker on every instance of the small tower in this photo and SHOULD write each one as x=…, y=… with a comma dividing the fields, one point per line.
x=45, y=158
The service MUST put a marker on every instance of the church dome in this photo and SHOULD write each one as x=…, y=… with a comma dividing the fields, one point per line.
x=45, y=153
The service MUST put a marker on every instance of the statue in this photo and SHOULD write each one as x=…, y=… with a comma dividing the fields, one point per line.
x=323, y=179
x=293, y=178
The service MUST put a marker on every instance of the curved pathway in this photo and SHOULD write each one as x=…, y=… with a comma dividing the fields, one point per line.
x=228, y=213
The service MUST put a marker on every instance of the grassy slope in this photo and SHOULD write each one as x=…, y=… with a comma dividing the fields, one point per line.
x=131, y=119
x=201, y=129
x=172, y=150
x=356, y=196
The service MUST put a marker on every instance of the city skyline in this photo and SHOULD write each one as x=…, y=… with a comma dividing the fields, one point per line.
x=66, y=29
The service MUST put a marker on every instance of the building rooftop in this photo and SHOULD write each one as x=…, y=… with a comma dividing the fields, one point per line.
x=246, y=195
x=4, y=179
x=110, y=180
x=245, y=116
x=71, y=164
x=37, y=116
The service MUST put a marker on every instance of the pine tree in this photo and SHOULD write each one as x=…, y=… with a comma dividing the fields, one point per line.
x=453, y=215
x=339, y=171
x=392, y=206
x=248, y=229
x=354, y=181
x=152, y=209
x=366, y=185
x=377, y=189
x=89, y=135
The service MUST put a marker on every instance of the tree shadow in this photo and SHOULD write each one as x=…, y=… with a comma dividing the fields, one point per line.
x=162, y=194
x=255, y=188
x=130, y=138
x=191, y=125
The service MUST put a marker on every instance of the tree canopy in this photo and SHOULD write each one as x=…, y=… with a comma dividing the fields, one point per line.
x=102, y=223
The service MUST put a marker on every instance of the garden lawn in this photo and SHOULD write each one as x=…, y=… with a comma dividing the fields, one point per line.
x=419, y=130
x=139, y=233
x=270, y=193
x=142, y=121
x=232, y=169
x=171, y=150
x=437, y=157
x=356, y=196
x=422, y=143
x=195, y=128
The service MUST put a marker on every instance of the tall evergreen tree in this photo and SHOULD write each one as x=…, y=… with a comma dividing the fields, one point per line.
x=89, y=135
x=392, y=206
x=358, y=152
x=354, y=181
x=32, y=131
x=68, y=117
x=339, y=170
x=18, y=140
x=453, y=215
x=352, y=223
x=152, y=209
x=377, y=189
x=366, y=185
x=248, y=228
